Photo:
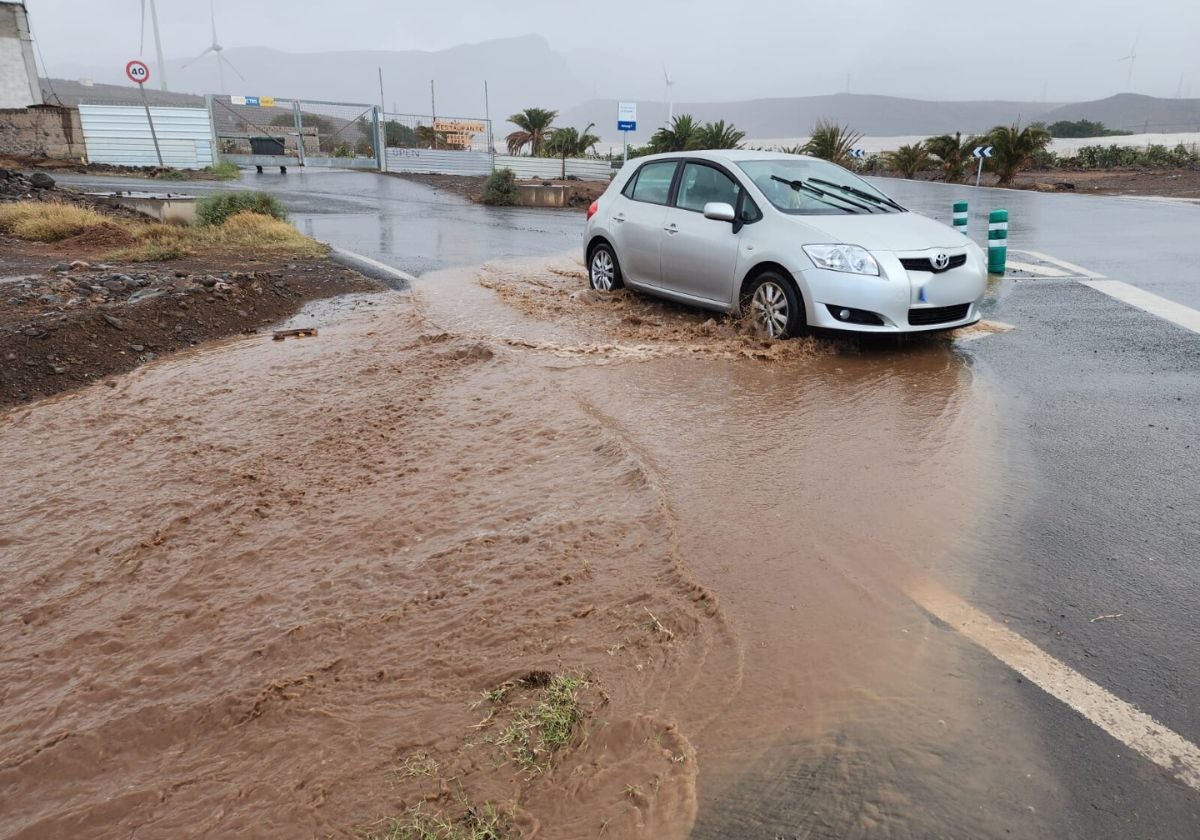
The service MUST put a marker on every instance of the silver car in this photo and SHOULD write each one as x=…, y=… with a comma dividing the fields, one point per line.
x=792, y=241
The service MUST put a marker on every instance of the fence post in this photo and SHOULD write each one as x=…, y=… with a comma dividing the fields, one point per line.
x=299, y=130
x=212, y=128
x=960, y=217
x=997, y=241
x=378, y=125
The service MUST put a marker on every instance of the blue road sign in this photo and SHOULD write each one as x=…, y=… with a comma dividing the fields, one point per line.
x=626, y=125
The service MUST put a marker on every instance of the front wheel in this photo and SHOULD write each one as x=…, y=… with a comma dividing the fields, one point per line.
x=774, y=306
x=604, y=272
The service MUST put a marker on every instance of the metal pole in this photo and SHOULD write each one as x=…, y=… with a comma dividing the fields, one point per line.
x=381, y=129
x=150, y=120
x=433, y=109
x=625, y=152
x=979, y=174
x=212, y=127
x=487, y=115
x=299, y=130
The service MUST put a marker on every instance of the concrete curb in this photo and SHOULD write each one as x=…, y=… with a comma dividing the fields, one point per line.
x=394, y=277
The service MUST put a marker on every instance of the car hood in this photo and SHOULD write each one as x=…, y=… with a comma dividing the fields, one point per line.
x=886, y=231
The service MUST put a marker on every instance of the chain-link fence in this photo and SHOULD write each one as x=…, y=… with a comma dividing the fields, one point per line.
x=312, y=131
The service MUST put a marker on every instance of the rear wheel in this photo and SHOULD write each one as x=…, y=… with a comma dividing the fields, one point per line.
x=604, y=272
x=774, y=305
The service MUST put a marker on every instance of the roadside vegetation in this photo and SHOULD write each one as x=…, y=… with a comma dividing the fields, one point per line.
x=500, y=188
x=255, y=220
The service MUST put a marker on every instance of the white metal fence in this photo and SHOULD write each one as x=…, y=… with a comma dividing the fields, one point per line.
x=585, y=169
x=120, y=135
x=439, y=161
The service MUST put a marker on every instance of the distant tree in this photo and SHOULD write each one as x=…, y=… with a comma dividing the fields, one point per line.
x=718, y=135
x=682, y=135
x=832, y=142
x=398, y=135
x=1082, y=128
x=533, y=127
x=1014, y=148
x=569, y=142
x=909, y=160
x=954, y=154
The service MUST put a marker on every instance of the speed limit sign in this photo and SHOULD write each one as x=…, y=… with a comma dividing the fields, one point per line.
x=138, y=72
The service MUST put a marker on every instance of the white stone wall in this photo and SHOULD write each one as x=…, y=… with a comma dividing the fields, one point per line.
x=19, y=86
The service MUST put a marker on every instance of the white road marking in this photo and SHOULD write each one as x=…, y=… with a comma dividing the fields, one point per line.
x=1063, y=264
x=382, y=268
x=1134, y=728
x=1043, y=270
x=1168, y=310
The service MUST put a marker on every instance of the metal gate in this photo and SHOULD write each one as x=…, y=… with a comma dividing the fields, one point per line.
x=271, y=131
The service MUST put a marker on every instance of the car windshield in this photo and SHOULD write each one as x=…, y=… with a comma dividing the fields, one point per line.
x=806, y=186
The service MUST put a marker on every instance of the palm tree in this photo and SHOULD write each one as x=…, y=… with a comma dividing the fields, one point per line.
x=1014, y=147
x=954, y=154
x=681, y=136
x=568, y=142
x=533, y=126
x=718, y=135
x=832, y=142
x=909, y=159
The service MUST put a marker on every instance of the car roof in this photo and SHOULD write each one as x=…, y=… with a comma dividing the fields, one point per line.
x=724, y=155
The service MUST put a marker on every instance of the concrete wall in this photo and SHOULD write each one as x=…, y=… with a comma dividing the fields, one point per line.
x=44, y=131
x=19, y=84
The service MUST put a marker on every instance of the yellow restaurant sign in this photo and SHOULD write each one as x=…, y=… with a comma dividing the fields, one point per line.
x=459, y=126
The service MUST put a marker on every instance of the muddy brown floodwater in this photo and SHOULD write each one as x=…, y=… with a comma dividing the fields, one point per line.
x=260, y=588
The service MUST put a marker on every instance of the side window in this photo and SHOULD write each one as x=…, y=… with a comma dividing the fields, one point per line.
x=748, y=212
x=653, y=182
x=702, y=185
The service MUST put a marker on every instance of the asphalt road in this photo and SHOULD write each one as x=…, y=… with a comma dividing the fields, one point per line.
x=1099, y=481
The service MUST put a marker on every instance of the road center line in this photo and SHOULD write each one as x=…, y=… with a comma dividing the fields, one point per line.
x=1134, y=728
x=1043, y=270
x=1168, y=310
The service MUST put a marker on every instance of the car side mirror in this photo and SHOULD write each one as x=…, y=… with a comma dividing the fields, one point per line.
x=719, y=211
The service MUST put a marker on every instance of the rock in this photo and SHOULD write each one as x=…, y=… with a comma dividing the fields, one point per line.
x=113, y=285
x=137, y=348
x=57, y=369
x=50, y=300
x=145, y=294
x=209, y=280
x=79, y=265
x=61, y=267
x=10, y=357
x=41, y=181
x=115, y=323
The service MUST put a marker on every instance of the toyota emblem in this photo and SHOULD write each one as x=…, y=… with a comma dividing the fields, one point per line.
x=940, y=262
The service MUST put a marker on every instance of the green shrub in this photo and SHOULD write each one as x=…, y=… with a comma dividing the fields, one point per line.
x=501, y=188
x=224, y=171
x=215, y=209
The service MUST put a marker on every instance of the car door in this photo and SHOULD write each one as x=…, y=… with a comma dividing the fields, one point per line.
x=699, y=255
x=637, y=221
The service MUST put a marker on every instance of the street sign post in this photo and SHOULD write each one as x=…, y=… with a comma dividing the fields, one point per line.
x=139, y=74
x=626, y=122
x=981, y=152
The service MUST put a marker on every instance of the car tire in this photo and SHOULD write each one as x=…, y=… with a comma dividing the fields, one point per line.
x=604, y=272
x=772, y=302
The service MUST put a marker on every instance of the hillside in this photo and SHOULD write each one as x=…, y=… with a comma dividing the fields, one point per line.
x=1134, y=112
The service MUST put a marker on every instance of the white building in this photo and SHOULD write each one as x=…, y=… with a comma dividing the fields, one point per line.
x=19, y=86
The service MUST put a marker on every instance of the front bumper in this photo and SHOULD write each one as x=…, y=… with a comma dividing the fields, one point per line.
x=893, y=294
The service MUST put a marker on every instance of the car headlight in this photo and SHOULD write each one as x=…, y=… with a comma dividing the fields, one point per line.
x=848, y=258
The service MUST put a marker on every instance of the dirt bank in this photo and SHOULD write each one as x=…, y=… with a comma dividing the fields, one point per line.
x=66, y=322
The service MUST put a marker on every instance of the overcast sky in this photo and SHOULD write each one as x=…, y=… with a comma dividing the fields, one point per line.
x=727, y=49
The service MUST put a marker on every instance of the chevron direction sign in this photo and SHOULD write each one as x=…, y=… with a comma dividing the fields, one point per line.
x=858, y=153
x=982, y=152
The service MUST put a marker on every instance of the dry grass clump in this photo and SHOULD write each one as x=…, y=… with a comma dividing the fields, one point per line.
x=47, y=221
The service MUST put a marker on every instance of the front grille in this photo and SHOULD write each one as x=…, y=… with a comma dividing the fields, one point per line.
x=937, y=315
x=923, y=264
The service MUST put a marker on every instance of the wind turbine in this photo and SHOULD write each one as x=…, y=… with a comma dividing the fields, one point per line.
x=1132, y=59
x=162, y=68
x=215, y=48
x=670, y=104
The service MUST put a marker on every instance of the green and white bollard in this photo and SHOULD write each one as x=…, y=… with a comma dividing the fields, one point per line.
x=997, y=241
x=960, y=217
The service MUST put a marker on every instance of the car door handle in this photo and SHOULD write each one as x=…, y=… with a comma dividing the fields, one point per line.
x=620, y=217
x=672, y=228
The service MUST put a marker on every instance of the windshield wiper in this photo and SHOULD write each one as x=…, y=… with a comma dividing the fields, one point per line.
x=879, y=199
x=821, y=195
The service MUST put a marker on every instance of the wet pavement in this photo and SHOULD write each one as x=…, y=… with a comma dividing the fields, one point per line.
x=1048, y=475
